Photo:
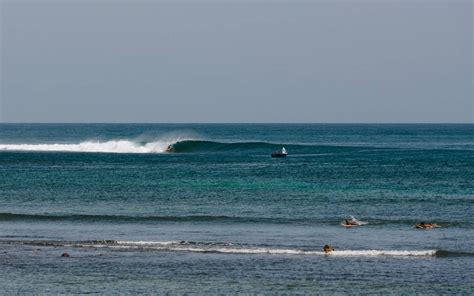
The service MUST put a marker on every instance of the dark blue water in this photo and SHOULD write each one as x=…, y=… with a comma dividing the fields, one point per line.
x=218, y=214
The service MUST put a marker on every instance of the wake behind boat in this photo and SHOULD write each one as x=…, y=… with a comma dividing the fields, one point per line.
x=280, y=153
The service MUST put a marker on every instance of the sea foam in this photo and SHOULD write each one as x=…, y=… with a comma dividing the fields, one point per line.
x=112, y=146
x=184, y=246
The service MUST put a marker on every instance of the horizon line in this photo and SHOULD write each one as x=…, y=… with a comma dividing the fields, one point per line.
x=118, y=122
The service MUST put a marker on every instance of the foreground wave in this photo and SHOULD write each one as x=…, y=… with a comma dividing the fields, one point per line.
x=238, y=249
x=229, y=248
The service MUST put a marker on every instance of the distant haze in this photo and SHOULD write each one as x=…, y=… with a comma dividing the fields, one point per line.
x=236, y=61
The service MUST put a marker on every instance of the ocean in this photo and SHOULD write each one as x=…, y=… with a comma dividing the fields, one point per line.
x=218, y=215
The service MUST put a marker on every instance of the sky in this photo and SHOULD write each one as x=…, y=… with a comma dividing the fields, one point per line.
x=237, y=61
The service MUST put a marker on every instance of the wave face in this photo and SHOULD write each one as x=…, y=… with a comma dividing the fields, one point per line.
x=230, y=248
x=159, y=146
x=201, y=146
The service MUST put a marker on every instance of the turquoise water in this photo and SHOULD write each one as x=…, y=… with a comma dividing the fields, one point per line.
x=218, y=214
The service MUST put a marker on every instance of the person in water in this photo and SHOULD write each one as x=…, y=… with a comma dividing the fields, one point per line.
x=423, y=225
x=328, y=249
x=350, y=222
x=169, y=148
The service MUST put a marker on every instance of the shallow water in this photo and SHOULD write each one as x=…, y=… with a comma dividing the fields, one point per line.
x=218, y=214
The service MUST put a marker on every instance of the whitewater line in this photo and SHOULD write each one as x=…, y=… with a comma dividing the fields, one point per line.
x=182, y=246
x=113, y=146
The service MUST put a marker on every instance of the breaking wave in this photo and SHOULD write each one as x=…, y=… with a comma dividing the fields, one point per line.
x=175, y=145
x=186, y=144
x=127, y=146
x=231, y=248
x=113, y=146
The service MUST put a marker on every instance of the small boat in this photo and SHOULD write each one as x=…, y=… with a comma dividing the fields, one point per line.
x=280, y=153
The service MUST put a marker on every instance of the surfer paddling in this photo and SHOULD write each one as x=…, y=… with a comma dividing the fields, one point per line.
x=423, y=225
x=351, y=222
x=328, y=249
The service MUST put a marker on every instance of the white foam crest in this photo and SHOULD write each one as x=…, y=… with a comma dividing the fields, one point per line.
x=112, y=146
x=270, y=251
x=345, y=253
x=178, y=246
x=147, y=243
x=369, y=253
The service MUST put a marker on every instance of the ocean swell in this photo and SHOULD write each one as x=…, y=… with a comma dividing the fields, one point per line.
x=333, y=220
x=174, y=145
